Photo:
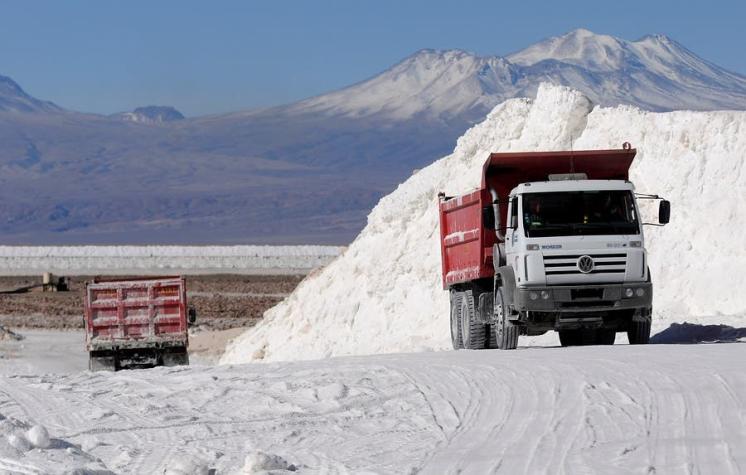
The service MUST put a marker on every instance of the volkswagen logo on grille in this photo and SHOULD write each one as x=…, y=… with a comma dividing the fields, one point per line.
x=585, y=264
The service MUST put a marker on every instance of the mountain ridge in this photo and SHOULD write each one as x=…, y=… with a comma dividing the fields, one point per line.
x=502, y=77
x=508, y=79
x=14, y=99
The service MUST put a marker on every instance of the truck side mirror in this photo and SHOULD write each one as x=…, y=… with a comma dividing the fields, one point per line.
x=664, y=212
x=192, y=315
x=514, y=222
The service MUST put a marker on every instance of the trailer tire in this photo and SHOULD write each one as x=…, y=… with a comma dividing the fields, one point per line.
x=504, y=333
x=97, y=362
x=492, y=337
x=456, y=320
x=473, y=330
x=178, y=357
x=639, y=332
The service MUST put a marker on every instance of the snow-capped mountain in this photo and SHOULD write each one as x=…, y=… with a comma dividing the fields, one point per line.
x=654, y=73
x=291, y=173
x=151, y=115
x=430, y=84
x=15, y=99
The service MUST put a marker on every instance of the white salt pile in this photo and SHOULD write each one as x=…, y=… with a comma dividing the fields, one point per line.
x=384, y=293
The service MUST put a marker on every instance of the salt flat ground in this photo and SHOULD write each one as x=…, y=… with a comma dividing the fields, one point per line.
x=619, y=409
x=44, y=351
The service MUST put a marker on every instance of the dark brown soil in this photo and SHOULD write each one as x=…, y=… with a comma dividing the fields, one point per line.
x=221, y=301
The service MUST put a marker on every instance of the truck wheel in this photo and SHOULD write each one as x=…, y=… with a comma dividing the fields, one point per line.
x=605, y=336
x=456, y=320
x=504, y=332
x=176, y=358
x=473, y=331
x=492, y=336
x=102, y=362
x=639, y=332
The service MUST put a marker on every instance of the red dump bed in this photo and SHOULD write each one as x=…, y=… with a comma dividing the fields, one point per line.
x=146, y=313
x=466, y=244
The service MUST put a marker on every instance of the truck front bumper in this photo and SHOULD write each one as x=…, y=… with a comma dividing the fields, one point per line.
x=583, y=298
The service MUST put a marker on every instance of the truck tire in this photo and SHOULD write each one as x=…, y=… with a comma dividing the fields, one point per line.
x=605, y=336
x=639, y=332
x=178, y=357
x=456, y=320
x=492, y=337
x=473, y=331
x=503, y=333
x=98, y=362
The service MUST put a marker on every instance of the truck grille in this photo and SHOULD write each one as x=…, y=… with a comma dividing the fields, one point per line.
x=568, y=264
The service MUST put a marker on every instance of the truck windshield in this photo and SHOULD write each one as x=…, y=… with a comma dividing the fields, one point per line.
x=583, y=213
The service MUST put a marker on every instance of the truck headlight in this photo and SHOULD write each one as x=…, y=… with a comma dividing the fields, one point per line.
x=640, y=292
x=544, y=295
x=629, y=293
x=533, y=295
x=635, y=244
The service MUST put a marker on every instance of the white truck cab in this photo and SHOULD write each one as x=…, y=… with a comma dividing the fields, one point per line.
x=578, y=255
x=553, y=220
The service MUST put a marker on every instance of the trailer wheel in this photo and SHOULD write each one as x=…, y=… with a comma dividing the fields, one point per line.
x=492, y=336
x=99, y=362
x=604, y=336
x=503, y=331
x=639, y=332
x=456, y=320
x=178, y=357
x=473, y=331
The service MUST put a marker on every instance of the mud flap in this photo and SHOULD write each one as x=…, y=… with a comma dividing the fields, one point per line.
x=485, y=308
x=507, y=283
x=102, y=362
x=176, y=357
x=642, y=315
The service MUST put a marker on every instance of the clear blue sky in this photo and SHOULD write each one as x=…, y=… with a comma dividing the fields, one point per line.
x=218, y=56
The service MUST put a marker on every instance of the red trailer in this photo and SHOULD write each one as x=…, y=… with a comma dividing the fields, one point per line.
x=137, y=322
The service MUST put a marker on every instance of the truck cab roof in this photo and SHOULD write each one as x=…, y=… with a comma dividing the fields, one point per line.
x=571, y=185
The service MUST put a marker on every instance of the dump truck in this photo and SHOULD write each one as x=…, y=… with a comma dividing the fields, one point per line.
x=550, y=241
x=136, y=323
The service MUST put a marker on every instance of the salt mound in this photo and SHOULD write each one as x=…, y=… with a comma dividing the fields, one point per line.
x=27, y=448
x=383, y=294
x=38, y=436
x=262, y=463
